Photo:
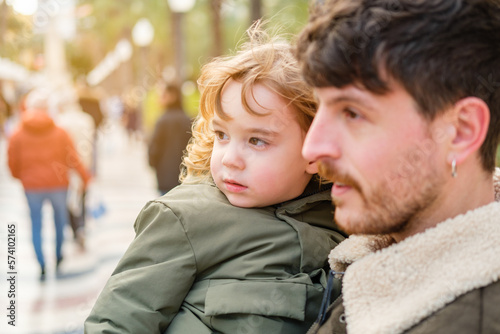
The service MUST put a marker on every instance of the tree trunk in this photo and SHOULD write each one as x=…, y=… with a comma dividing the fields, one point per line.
x=217, y=30
x=255, y=10
x=178, y=47
x=3, y=21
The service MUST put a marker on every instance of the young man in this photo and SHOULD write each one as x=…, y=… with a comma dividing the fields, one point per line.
x=407, y=129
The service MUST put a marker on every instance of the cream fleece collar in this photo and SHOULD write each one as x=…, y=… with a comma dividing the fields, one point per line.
x=391, y=287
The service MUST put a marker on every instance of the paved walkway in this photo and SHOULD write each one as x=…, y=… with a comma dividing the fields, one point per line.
x=61, y=304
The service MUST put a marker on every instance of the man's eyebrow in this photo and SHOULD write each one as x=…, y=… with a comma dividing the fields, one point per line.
x=349, y=99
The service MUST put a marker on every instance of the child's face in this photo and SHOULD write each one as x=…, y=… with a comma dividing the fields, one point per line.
x=256, y=160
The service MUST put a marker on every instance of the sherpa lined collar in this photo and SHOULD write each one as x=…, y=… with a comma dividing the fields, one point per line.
x=391, y=287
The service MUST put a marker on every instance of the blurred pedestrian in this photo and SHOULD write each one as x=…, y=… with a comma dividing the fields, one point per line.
x=40, y=154
x=132, y=119
x=90, y=103
x=169, y=140
x=80, y=126
x=5, y=113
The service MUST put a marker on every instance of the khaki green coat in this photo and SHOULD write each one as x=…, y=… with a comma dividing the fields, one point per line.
x=200, y=265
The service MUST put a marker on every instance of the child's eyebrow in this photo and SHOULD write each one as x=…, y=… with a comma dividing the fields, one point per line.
x=261, y=131
x=216, y=123
x=265, y=132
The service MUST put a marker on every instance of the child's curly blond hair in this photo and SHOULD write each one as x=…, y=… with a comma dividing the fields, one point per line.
x=263, y=60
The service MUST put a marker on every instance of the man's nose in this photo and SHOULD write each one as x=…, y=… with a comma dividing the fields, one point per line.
x=322, y=138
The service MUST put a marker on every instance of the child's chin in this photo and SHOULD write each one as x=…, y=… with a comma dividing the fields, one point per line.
x=242, y=202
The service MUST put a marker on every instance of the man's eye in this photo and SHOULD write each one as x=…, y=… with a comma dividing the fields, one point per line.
x=351, y=114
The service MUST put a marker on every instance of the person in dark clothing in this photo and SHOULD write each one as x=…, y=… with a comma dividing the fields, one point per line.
x=170, y=137
x=90, y=104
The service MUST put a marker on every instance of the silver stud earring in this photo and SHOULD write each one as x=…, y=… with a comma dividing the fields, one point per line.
x=454, y=168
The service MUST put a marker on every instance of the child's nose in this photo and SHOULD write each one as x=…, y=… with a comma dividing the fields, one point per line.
x=233, y=157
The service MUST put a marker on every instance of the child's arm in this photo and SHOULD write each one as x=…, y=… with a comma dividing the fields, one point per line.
x=152, y=279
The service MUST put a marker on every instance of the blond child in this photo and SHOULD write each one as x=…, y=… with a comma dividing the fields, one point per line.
x=241, y=246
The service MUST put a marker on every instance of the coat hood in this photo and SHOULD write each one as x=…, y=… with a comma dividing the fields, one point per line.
x=389, y=287
x=37, y=121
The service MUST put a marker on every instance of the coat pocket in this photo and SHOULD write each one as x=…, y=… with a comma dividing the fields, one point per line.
x=266, y=298
x=185, y=322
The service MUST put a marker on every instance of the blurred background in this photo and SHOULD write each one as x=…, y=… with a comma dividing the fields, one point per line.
x=124, y=48
x=111, y=60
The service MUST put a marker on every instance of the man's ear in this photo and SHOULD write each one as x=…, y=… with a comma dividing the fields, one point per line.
x=312, y=167
x=471, y=122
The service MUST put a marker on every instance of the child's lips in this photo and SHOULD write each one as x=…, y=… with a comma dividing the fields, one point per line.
x=234, y=186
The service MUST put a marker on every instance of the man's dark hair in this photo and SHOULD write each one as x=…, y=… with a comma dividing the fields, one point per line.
x=440, y=51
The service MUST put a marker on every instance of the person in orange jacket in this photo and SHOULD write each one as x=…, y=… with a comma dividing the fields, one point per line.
x=40, y=154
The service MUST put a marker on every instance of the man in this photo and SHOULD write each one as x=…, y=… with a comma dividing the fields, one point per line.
x=407, y=128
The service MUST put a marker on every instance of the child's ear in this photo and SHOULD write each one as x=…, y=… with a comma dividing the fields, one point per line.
x=312, y=168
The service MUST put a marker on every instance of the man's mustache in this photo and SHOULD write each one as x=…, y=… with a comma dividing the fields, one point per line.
x=328, y=172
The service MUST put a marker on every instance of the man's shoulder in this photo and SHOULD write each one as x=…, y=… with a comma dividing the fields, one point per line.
x=482, y=301
x=468, y=313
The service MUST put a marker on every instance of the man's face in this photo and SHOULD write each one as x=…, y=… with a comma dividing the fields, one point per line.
x=381, y=155
x=256, y=159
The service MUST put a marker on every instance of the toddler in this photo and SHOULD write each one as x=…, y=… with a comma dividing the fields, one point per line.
x=241, y=245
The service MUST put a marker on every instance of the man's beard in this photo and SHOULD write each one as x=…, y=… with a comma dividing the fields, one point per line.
x=387, y=208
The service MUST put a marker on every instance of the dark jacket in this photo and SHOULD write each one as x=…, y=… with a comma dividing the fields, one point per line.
x=170, y=137
x=443, y=280
x=91, y=105
x=201, y=265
